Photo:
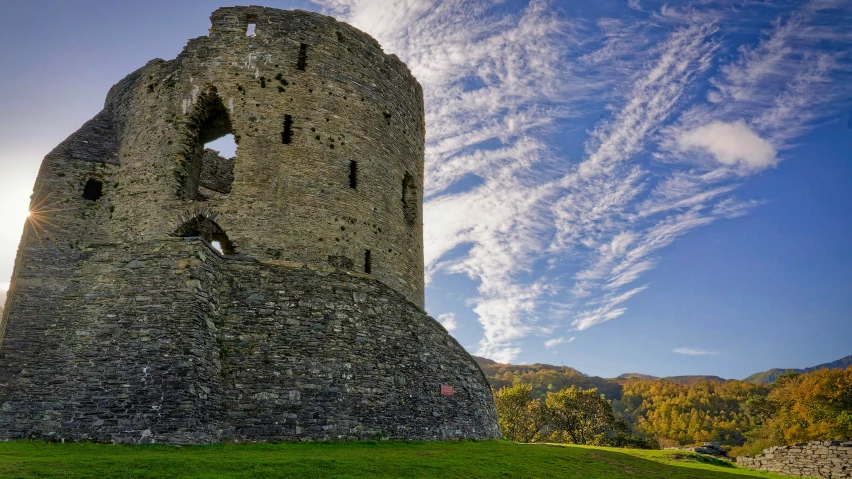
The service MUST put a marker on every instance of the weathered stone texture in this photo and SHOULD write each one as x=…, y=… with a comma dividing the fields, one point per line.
x=823, y=459
x=124, y=324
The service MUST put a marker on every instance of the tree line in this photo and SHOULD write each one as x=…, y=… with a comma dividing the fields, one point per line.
x=746, y=417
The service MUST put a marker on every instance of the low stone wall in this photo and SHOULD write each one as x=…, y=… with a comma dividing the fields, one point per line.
x=825, y=459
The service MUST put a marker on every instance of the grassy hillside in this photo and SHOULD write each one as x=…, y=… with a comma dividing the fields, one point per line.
x=768, y=377
x=351, y=460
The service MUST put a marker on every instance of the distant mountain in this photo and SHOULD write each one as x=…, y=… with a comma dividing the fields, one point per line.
x=636, y=376
x=547, y=377
x=768, y=377
x=685, y=380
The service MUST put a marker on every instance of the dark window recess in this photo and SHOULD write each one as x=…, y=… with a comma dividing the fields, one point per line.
x=303, y=57
x=353, y=174
x=287, y=134
x=368, y=267
x=409, y=199
x=93, y=190
x=207, y=229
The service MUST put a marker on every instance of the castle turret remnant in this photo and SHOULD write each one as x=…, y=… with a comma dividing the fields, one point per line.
x=164, y=293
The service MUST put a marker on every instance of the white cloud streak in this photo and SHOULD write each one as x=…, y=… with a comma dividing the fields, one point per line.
x=498, y=85
x=694, y=352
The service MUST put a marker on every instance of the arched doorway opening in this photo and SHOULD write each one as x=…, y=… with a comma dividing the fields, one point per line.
x=208, y=230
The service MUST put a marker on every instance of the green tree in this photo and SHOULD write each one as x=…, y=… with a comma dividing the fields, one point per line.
x=581, y=416
x=521, y=416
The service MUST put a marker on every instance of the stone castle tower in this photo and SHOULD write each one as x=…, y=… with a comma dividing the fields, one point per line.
x=163, y=293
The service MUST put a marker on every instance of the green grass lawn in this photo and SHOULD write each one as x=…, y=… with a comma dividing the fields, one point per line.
x=485, y=459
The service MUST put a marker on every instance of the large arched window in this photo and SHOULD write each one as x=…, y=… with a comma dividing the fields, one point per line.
x=209, y=121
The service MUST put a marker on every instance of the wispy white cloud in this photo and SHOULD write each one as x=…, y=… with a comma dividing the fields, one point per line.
x=448, y=321
x=732, y=208
x=552, y=343
x=694, y=352
x=608, y=309
x=498, y=84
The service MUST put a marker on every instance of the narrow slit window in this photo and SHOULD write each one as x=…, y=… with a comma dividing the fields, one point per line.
x=409, y=199
x=287, y=134
x=353, y=174
x=250, y=30
x=93, y=190
x=368, y=266
x=303, y=57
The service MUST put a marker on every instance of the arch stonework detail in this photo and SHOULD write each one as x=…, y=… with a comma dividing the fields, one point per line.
x=156, y=338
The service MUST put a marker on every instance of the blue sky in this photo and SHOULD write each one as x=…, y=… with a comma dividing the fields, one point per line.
x=615, y=186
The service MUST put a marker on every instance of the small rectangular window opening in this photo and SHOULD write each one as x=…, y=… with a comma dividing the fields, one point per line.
x=93, y=190
x=409, y=199
x=252, y=25
x=368, y=267
x=287, y=134
x=303, y=57
x=353, y=174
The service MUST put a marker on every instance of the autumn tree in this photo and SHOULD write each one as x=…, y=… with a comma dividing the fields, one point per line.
x=676, y=414
x=581, y=416
x=816, y=406
x=521, y=416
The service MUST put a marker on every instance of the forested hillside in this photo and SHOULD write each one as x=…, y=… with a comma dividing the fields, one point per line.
x=688, y=414
x=544, y=378
x=541, y=402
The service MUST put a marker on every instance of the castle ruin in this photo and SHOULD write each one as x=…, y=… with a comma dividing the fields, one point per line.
x=163, y=293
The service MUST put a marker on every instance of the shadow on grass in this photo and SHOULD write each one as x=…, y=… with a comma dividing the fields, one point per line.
x=703, y=459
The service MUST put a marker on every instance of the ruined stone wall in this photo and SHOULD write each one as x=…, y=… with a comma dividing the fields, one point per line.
x=824, y=459
x=123, y=323
x=226, y=349
x=340, y=100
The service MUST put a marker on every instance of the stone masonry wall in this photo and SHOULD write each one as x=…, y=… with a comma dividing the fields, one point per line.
x=824, y=459
x=216, y=349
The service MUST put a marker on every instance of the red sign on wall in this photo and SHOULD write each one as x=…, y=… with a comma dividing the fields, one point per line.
x=446, y=390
